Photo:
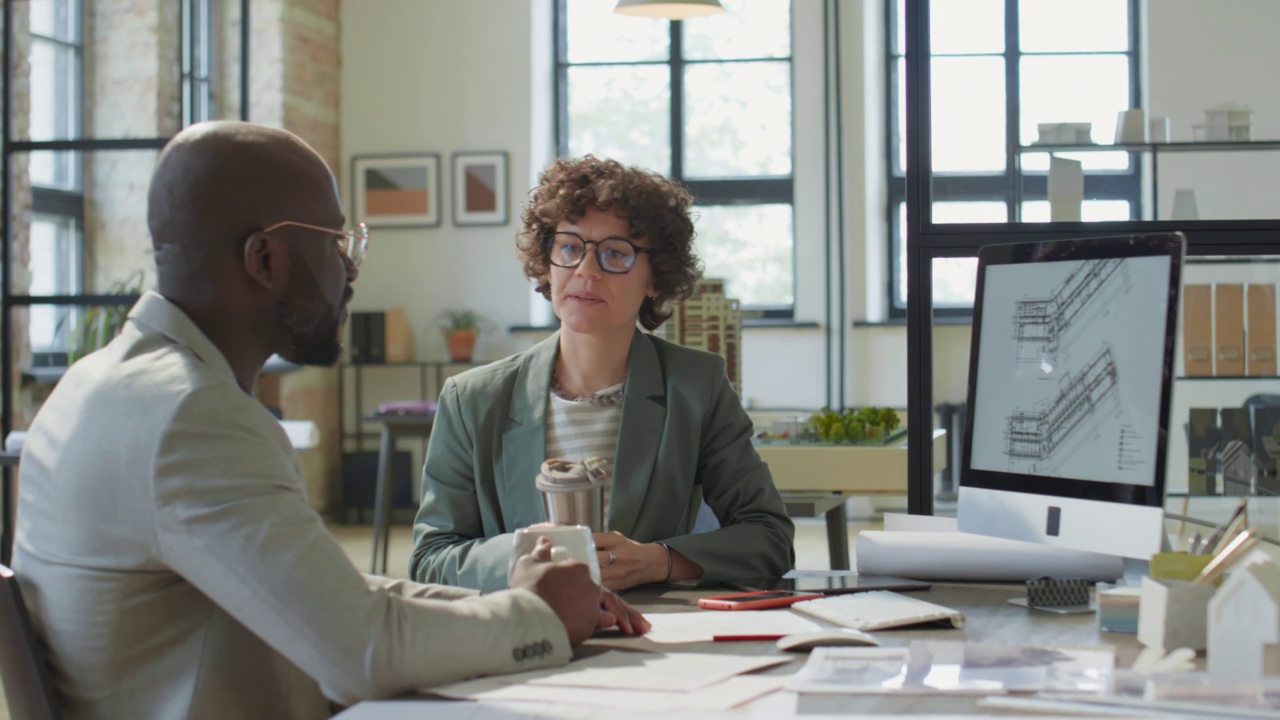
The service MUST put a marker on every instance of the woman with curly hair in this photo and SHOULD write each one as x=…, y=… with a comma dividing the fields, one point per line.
x=610, y=246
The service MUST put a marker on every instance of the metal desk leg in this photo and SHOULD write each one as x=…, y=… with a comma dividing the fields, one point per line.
x=382, y=501
x=838, y=537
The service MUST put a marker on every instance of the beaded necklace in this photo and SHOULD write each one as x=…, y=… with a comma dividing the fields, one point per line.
x=608, y=397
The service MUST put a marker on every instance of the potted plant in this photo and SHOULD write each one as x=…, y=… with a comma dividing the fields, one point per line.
x=461, y=328
x=95, y=326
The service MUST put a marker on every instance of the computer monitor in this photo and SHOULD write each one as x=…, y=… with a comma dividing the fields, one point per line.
x=1070, y=372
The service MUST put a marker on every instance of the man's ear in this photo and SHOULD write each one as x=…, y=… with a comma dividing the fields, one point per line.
x=263, y=261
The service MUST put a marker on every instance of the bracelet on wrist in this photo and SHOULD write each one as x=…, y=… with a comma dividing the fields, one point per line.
x=667, y=547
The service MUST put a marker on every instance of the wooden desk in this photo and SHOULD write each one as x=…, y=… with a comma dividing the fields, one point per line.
x=989, y=618
x=393, y=427
x=817, y=480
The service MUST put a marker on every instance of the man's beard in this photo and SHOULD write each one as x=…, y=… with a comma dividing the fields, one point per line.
x=311, y=336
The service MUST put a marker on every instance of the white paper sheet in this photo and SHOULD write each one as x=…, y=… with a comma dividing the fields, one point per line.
x=941, y=552
x=620, y=670
x=721, y=696
x=703, y=626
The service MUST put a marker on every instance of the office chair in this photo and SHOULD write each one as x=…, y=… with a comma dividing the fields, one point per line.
x=27, y=684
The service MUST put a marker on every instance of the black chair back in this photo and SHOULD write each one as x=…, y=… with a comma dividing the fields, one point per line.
x=27, y=685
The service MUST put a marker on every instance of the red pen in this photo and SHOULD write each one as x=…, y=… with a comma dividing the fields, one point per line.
x=743, y=638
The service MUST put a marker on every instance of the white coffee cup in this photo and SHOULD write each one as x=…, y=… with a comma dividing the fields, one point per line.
x=568, y=542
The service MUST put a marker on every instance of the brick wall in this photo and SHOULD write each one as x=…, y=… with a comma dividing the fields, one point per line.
x=295, y=85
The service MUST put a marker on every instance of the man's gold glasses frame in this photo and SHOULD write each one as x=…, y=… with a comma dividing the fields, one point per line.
x=353, y=243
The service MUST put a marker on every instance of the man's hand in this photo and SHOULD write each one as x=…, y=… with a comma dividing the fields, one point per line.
x=618, y=613
x=566, y=586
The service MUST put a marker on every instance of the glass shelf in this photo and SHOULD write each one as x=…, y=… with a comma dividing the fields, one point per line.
x=1219, y=146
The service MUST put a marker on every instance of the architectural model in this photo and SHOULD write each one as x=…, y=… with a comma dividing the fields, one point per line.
x=712, y=322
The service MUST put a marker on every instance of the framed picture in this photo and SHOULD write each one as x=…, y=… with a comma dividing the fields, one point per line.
x=396, y=190
x=480, y=188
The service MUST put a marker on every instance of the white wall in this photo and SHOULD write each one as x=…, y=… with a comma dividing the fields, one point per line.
x=441, y=76
x=1203, y=53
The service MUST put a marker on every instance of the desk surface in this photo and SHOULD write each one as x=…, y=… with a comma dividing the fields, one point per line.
x=989, y=618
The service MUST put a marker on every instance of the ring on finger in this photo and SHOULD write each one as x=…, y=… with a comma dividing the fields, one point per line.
x=613, y=558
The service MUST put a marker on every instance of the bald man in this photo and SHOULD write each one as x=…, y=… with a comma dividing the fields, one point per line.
x=165, y=548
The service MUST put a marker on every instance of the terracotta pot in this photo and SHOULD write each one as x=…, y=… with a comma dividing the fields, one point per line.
x=461, y=343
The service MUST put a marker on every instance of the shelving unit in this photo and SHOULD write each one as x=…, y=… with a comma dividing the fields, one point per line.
x=1153, y=150
x=435, y=369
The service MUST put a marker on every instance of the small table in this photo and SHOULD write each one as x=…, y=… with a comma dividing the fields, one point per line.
x=394, y=426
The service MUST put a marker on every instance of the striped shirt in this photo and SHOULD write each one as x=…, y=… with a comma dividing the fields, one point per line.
x=578, y=429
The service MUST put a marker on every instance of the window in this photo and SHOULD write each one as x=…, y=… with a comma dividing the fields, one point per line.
x=197, y=61
x=57, y=198
x=1000, y=68
x=706, y=101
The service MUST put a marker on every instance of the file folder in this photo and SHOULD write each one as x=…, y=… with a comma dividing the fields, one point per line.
x=1228, y=330
x=1261, y=329
x=1197, y=330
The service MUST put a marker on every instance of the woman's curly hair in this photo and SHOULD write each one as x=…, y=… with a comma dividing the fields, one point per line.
x=655, y=208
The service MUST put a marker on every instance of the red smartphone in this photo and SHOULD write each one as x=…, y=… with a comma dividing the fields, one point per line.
x=757, y=600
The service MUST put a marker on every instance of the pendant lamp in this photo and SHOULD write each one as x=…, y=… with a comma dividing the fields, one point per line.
x=669, y=9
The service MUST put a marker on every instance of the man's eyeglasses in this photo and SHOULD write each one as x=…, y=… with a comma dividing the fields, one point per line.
x=354, y=243
x=613, y=254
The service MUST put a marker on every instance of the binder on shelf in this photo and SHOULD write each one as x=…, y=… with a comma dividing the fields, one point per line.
x=1228, y=329
x=1261, y=329
x=1197, y=330
x=357, y=346
x=399, y=337
x=377, y=339
x=367, y=338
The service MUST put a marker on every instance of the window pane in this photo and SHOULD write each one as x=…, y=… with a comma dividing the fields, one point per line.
x=984, y=211
x=737, y=119
x=597, y=34
x=1090, y=210
x=955, y=281
x=54, y=270
x=56, y=19
x=621, y=112
x=900, y=256
x=747, y=29
x=899, y=28
x=1077, y=26
x=968, y=111
x=1074, y=88
x=750, y=246
x=110, y=216
x=899, y=121
x=966, y=26
x=1039, y=162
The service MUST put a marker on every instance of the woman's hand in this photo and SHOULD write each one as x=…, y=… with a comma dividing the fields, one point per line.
x=625, y=563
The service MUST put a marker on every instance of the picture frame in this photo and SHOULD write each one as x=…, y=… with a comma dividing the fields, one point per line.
x=396, y=190
x=480, y=188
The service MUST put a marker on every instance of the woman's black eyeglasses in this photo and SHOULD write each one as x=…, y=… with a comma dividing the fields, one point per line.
x=614, y=254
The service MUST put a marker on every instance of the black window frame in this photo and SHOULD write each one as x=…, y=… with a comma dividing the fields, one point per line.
x=66, y=203
x=713, y=191
x=1098, y=185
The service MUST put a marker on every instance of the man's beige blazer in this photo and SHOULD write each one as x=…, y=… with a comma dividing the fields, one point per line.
x=174, y=569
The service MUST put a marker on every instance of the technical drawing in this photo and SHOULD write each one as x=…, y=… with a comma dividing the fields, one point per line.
x=1033, y=435
x=1039, y=323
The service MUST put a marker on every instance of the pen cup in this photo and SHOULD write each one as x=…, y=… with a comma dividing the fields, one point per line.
x=1178, y=566
x=1173, y=614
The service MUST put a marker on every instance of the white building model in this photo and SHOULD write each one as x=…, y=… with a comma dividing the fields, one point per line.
x=709, y=321
x=1244, y=620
